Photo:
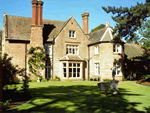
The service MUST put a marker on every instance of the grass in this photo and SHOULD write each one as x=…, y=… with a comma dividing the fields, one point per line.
x=85, y=96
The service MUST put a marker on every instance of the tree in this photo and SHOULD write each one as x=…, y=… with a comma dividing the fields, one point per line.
x=144, y=31
x=128, y=19
x=98, y=27
x=135, y=39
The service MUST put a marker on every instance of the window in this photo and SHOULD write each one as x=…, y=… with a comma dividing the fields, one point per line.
x=96, y=50
x=117, y=48
x=48, y=49
x=48, y=71
x=64, y=70
x=74, y=70
x=72, y=49
x=97, y=69
x=72, y=34
x=118, y=68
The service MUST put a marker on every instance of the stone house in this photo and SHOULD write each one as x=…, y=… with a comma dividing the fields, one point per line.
x=71, y=51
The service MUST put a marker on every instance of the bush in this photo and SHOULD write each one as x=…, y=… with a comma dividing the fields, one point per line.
x=5, y=104
x=68, y=80
x=54, y=79
x=147, y=76
x=107, y=80
x=32, y=80
x=124, y=79
x=44, y=80
x=16, y=80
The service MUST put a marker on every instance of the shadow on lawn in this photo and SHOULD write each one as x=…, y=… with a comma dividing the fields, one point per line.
x=78, y=98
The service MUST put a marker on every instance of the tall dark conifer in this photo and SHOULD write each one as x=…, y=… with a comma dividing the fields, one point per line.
x=129, y=19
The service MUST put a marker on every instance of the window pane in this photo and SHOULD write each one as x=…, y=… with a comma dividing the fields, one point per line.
x=70, y=64
x=64, y=74
x=70, y=69
x=64, y=64
x=74, y=69
x=74, y=64
x=73, y=51
x=78, y=74
x=78, y=69
x=69, y=33
x=70, y=74
x=64, y=70
x=78, y=64
x=74, y=74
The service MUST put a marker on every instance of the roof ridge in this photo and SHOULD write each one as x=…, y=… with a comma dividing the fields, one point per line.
x=31, y=18
x=98, y=30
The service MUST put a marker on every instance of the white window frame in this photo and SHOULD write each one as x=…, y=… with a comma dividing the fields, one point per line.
x=97, y=69
x=72, y=49
x=48, y=49
x=64, y=67
x=74, y=67
x=72, y=33
x=117, y=48
x=96, y=49
x=118, y=68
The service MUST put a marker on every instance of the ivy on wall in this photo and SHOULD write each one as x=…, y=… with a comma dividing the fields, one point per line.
x=36, y=60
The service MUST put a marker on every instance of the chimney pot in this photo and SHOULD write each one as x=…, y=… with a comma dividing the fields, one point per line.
x=85, y=16
x=107, y=24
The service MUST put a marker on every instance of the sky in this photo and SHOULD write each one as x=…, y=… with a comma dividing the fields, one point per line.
x=63, y=9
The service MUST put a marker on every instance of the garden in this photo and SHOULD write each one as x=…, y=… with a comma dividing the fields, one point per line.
x=83, y=96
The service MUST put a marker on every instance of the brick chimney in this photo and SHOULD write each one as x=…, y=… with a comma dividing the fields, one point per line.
x=34, y=12
x=85, y=16
x=37, y=12
x=40, y=4
x=37, y=28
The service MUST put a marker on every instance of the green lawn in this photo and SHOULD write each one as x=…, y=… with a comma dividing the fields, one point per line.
x=85, y=96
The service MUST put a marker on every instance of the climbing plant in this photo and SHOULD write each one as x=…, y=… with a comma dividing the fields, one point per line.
x=36, y=60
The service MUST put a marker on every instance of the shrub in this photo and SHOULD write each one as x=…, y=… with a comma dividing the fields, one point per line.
x=5, y=104
x=54, y=79
x=32, y=80
x=44, y=80
x=124, y=79
x=68, y=80
x=147, y=76
x=16, y=80
x=107, y=80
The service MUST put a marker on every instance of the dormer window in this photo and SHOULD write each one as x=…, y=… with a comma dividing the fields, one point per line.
x=96, y=50
x=72, y=34
x=117, y=48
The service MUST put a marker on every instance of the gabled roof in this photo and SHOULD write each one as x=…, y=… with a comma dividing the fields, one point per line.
x=97, y=35
x=71, y=57
x=133, y=50
x=20, y=27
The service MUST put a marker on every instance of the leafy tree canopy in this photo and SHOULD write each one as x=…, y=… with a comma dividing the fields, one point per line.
x=128, y=19
x=98, y=27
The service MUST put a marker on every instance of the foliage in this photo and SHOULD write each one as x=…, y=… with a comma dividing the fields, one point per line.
x=57, y=77
x=32, y=80
x=9, y=70
x=25, y=86
x=124, y=79
x=147, y=76
x=4, y=105
x=128, y=19
x=68, y=80
x=144, y=31
x=135, y=39
x=36, y=60
x=98, y=27
x=107, y=80
x=44, y=80
x=54, y=79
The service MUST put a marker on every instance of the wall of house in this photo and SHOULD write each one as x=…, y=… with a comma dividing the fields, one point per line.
x=60, y=46
x=105, y=58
